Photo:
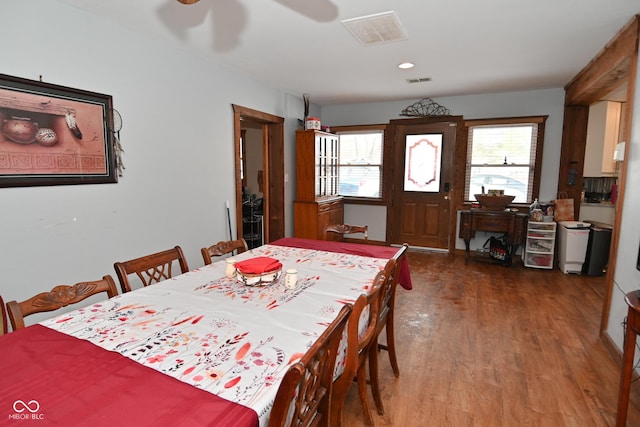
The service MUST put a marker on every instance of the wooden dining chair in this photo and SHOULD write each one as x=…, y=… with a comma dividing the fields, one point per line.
x=303, y=397
x=60, y=296
x=151, y=268
x=359, y=339
x=222, y=248
x=3, y=317
x=344, y=229
x=385, y=321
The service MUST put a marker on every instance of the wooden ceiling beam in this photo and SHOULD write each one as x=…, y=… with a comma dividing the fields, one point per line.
x=608, y=70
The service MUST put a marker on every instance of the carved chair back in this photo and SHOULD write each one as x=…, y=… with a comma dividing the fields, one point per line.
x=223, y=248
x=343, y=229
x=151, y=268
x=60, y=296
x=3, y=318
x=359, y=339
x=385, y=322
x=303, y=398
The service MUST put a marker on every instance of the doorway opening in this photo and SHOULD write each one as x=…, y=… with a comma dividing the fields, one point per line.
x=607, y=72
x=267, y=172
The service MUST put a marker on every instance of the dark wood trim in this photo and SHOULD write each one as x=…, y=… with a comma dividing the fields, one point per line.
x=537, y=168
x=608, y=70
x=505, y=120
x=572, y=154
x=273, y=149
x=456, y=196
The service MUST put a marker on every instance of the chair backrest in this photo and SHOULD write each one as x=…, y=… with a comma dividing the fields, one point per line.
x=343, y=229
x=3, y=317
x=304, y=395
x=58, y=297
x=388, y=292
x=150, y=268
x=222, y=248
x=358, y=341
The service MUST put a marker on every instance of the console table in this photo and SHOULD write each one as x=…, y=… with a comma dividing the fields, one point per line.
x=478, y=219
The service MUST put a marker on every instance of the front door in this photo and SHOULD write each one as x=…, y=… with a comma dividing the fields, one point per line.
x=422, y=209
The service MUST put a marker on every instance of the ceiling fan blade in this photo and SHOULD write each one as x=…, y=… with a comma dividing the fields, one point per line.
x=188, y=1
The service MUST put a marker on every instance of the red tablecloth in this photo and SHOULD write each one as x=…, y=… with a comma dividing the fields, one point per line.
x=374, y=251
x=49, y=378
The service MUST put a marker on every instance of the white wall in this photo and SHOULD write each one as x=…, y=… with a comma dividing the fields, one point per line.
x=627, y=277
x=177, y=135
x=510, y=104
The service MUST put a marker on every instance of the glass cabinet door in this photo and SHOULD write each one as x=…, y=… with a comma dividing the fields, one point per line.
x=326, y=165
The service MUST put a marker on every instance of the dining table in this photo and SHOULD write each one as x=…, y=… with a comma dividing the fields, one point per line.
x=198, y=349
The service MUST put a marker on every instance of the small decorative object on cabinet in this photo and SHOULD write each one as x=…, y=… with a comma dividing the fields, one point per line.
x=540, y=245
x=317, y=201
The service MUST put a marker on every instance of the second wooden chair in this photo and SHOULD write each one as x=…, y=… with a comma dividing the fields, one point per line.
x=385, y=321
x=359, y=340
x=222, y=248
x=3, y=318
x=151, y=268
x=304, y=395
x=342, y=229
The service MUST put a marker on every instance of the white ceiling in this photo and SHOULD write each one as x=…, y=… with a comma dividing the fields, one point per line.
x=464, y=46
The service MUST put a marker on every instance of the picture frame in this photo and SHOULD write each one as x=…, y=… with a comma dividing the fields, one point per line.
x=54, y=135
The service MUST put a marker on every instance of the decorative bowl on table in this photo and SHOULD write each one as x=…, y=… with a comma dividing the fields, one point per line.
x=496, y=203
x=258, y=271
x=260, y=279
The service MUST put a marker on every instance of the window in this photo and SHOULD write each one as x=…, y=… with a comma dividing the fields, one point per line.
x=360, y=162
x=504, y=155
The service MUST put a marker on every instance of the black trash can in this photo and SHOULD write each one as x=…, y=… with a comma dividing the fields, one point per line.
x=597, y=258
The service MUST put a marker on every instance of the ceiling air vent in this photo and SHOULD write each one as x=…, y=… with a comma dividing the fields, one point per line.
x=377, y=28
x=419, y=80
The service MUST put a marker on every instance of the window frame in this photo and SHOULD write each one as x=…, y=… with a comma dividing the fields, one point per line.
x=385, y=166
x=540, y=121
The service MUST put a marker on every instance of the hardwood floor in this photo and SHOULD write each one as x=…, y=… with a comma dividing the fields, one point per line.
x=484, y=345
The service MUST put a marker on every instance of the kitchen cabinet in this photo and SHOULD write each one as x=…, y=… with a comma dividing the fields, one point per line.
x=317, y=201
x=540, y=245
x=603, y=132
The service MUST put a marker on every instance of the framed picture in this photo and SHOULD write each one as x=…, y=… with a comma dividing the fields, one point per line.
x=54, y=135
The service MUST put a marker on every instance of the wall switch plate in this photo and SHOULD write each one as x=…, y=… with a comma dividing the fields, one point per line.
x=618, y=153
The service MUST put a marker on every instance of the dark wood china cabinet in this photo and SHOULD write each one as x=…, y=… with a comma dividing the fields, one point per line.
x=317, y=201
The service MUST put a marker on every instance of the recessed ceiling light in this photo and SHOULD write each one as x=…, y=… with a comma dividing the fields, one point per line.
x=406, y=65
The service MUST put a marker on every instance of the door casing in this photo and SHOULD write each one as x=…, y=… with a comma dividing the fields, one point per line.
x=393, y=137
x=273, y=154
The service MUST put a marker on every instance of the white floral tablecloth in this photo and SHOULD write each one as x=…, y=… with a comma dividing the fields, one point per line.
x=217, y=334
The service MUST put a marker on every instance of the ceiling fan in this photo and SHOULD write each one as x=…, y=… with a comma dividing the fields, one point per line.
x=319, y=10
